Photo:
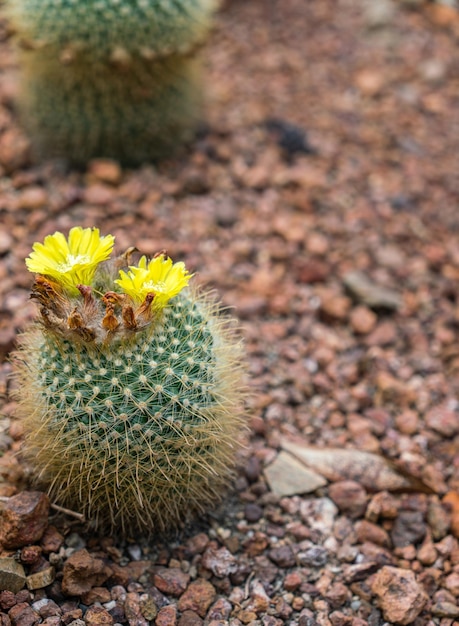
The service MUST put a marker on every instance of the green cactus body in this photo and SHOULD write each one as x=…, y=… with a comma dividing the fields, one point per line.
x=110, y=78
x=135, y=428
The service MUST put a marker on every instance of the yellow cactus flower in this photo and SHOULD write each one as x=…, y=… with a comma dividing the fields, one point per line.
x=159, y=276
x=71, y=262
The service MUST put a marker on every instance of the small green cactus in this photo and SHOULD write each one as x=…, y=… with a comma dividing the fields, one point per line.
x=110, y=78
x=130, y=389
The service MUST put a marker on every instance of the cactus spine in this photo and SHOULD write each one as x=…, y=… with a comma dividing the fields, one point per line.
x=131, y=410
x=110, y=78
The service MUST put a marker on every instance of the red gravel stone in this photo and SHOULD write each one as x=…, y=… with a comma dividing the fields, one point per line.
x=167, y=616
x=400, y=596
x=190, y=618
x=198, y=597
x=292, y=581
x=219, y=561
x=23, y=519
x=278, y=230
x=366, y=531
x=51, y=540
x=30, y=555
x=172, y=581
x=23, y=615
x=349, y=497
x=96, y=594
x=219, y=611
x=443, y=420
x=133, y=610
x=83, y=571
x=98, y=616
x=197, y=544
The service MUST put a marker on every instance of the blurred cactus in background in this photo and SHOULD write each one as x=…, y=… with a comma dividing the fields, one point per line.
x=110, y=78
x=129, y=386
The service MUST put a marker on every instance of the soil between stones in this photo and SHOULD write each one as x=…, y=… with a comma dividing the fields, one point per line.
x=276, y=221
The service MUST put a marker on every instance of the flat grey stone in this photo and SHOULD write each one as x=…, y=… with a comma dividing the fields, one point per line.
x=287, y=476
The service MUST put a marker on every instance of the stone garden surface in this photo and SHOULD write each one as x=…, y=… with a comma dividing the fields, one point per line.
x=321, y=200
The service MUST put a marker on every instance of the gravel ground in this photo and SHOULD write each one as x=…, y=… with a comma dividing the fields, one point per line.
x=322, y=202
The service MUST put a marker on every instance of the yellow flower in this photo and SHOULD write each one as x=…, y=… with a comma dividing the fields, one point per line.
x=71, y=262
x=159, y=276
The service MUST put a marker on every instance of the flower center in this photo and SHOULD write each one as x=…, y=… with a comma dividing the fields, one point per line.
x=152, y=286
x=71, y=261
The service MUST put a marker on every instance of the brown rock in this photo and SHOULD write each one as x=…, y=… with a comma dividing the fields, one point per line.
x=359, y=571
x=283, y=556
x=32, y=198
x=14, y=150
x=407, y=422
x=220, y=610
x=312, y=271
x=136, y=569
x=366, y=531
x=23, y=519
x=167, y=616
x=190, y=618
x=47, y=608
x=219, y=561
x=363, y=320
x=7, y=599
x=253, y=512
x=445, y=609
x=105, y=170
x=172, y=581
x=52, y=620
x=427, y=554
x=133, y=610
x=99, y=194
x=30, y=554
x=259, y=599
x=349, y=497
x=246, y=617
x=197, y=544
x=337, y=595
x=198, y=597
x=443, y=420
x=6, y=241
x=83, y=571
x=401, y=598
x=383, y=505
x=22, y=614
x=334, y=306
x=71, y=615
x=409, y=528
x=96, y=594
x=369, y=82
x=12, y=575
x=97, y=616
x=256, y=544
x=52, y=540
x=451, y=499
x=292, y=581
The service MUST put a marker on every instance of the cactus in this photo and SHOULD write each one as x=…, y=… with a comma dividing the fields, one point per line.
x=110, y=78
x=129, y=388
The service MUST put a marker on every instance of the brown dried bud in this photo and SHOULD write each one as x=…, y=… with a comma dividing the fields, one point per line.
x=110, y=322
x=76, y=323
x=129, y=318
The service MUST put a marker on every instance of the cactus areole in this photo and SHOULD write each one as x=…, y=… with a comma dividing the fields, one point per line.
x=129, y=386
x=110, y=78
